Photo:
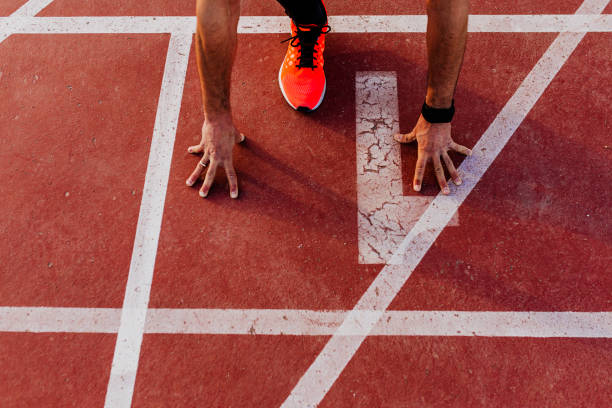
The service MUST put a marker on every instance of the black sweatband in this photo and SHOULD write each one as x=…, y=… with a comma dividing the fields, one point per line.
x=435, y=115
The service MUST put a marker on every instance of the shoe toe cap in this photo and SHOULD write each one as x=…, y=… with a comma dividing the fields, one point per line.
x=304, y=94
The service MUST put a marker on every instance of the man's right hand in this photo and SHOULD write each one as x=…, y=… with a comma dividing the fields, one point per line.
x=218, y=139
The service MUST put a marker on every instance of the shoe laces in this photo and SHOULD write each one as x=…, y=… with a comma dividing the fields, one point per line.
x=305, y=41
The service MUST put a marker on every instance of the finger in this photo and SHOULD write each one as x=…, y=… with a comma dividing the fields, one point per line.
x=405, y=138
x=461, y=149
x=451, y=169
x=195, y=149
x=232, y=179
x=210, y=177
x=440, y=175
x=240, y=137
x=419, y=172
x=197, y=172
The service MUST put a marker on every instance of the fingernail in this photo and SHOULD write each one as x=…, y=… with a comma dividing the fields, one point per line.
x=446, y=191
x=203, y=193
x=234, y=194
x=417, y=187
x=458, y=182
x=469, y=152
x=190, y=150
x=189, y=183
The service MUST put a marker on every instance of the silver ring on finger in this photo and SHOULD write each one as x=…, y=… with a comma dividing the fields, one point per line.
x=201, y=163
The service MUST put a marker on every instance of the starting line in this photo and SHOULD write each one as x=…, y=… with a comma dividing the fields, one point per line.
x=291, y=322
x=552, y=23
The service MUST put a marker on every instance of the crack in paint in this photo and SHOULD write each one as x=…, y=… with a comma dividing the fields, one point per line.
x=385, y=215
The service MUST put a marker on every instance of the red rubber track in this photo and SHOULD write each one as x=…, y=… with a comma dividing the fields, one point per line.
x=78, y=148
x=8, y=7
x=77, y=114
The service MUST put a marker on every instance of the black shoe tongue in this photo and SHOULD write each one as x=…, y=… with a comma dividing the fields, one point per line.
x=309, y=36
x=308, y=39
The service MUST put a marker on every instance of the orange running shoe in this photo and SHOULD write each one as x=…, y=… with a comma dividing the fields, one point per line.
x=301, y=77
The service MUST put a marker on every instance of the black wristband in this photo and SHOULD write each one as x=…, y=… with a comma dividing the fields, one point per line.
x=435, y=115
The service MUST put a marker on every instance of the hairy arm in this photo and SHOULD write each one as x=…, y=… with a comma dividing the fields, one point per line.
x=446, y=39
x=215, y=51
x=217, y=21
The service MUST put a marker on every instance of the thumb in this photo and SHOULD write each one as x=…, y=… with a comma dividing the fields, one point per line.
x=405, y=138
x=239, y=138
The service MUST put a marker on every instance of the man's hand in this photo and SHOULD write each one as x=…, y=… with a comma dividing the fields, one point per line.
x=218, y=139
x=434, y=141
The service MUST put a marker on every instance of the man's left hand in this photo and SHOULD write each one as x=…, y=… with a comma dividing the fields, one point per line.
x=434, y=141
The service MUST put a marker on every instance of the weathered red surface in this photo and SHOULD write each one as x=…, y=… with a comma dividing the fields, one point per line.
x=492, y=71
x=272, y=8
x=296, y=218
x=290, y=240
x=535, y=233
x=476, y=372
x=54, y=369
x=7, y=7
x=78, y=115
x=221, y=371
x=123, y=8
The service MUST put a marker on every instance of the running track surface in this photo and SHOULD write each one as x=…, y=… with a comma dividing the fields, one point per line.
x=245, y=295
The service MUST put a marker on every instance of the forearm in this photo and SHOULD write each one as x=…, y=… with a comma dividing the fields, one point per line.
x=446, y=38
x=217, y=21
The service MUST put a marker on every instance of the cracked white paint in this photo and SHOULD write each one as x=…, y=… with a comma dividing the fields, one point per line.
x=385, y=214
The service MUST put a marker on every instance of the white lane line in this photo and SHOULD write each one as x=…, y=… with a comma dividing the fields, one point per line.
x=329, y=364
x=129, y=339
x=393, y=323
x=29, y=9
x=496, y=324
x=59, y=319
x=280, y=25
x=277, y=322
x=385, y=215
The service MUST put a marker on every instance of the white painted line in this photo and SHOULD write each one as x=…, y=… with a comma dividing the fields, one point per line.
x=29, y=9
x=280, y=25
x=495, y=324
x=539, y=23
x=477, y=23
x=277, y=322
x=59, y=319
x=136, y=301
x=329, y=364
x=100, y=25
x=244, y=321
x=385, y=215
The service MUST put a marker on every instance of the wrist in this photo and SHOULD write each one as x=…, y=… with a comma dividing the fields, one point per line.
x=438, y=100
x=438, y=115
x=218, y=116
